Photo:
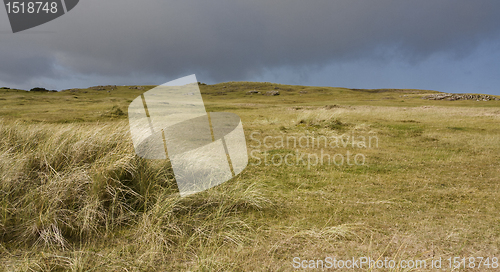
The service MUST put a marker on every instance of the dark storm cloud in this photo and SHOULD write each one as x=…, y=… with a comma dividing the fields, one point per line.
x=236, y=40
x=16, y=68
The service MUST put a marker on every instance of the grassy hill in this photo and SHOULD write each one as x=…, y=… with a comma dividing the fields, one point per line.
x=401, y=178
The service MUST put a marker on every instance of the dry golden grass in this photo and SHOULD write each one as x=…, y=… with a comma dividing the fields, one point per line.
x=68, y=187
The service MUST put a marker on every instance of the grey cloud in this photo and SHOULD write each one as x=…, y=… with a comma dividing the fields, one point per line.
x=235, y=40
x=17, y=67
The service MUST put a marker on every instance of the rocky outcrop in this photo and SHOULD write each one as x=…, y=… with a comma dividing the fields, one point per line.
x=103, y=88
x=454, y=97
x=272, y=93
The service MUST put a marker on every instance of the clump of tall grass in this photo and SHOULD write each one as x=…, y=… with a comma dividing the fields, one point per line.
x=66, y=182
x=64, y=185
x=207, y=220
x=321, y=119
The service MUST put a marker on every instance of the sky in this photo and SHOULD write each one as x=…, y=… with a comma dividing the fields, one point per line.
x=442, y=45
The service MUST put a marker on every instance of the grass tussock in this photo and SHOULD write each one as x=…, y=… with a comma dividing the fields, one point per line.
x=69, y=185
x=318, y=119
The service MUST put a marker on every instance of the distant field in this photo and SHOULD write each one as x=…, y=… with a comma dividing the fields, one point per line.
x=101, y=103
x=401, y=178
